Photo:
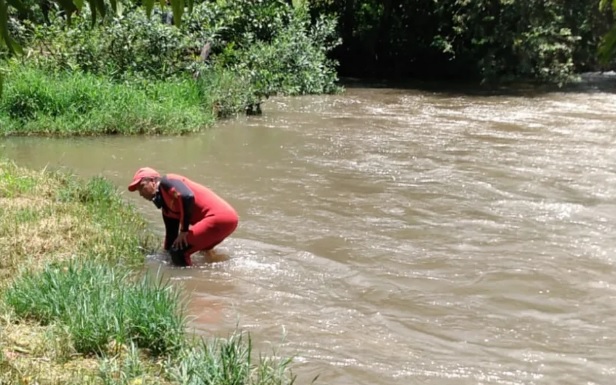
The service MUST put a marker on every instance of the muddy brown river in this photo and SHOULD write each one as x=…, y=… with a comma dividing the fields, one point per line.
x=400, y=236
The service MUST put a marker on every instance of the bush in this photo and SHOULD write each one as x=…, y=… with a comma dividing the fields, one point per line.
x=269, y=43
x=122, y=47
x=296, y=62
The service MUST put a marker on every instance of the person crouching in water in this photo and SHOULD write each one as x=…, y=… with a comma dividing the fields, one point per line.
x=195, y=217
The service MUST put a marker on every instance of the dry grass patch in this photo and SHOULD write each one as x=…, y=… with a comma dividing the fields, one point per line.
x=47, y=216
x=43, y=355
x=31, y=230
x=48, y=235
x=34, y=354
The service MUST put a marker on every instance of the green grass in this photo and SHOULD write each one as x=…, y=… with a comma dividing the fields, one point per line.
x=100, y=304
x=35, y=102
x=228, y=361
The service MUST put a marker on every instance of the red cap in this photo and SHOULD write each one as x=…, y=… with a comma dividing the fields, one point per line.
x=145, y=172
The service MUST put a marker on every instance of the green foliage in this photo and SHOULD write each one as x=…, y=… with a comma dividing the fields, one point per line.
x=122, y=369
x=5, y=37
x=88, y=217
x=123, y=47
x=239, y=22
x=228, y=92
x=99, y=197
x=222, y=362
x=288, y=59
x=546, y=54
x=95, y=192
x=256, y=49
x=69, y=8
x=520, y=39
x=607, y=47
x=485, y=40
x=136, y=45
x=295, y=62
x=37, y=102
x=244, y=36
x=99, y=304
x=488, y=40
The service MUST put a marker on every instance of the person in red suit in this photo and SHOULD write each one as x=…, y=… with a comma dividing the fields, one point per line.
x=195, y=218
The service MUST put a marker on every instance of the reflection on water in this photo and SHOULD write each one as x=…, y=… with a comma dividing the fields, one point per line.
x=393, y=236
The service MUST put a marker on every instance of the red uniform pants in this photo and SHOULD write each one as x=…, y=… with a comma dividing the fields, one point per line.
x=209, y=232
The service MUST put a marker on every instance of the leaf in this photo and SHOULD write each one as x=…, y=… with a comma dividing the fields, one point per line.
x=149, y=5
x=92, y=11
x=69, y=7
x=605, y=4
x=178, y=9
x=100, y=6
x=297, y=4
x=17, y=4
x=607, y=46
x=4, y=29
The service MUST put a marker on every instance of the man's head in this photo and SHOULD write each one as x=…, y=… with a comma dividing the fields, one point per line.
x=145, y=181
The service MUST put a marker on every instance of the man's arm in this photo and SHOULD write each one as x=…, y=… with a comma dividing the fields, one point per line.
x=185, y=197
x=172, y=227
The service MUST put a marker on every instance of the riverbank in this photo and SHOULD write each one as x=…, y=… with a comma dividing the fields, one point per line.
x=138, y=75
x=74, y=307
x=38, y=102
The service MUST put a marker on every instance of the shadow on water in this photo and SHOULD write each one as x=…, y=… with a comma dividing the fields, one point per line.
x=592, y=82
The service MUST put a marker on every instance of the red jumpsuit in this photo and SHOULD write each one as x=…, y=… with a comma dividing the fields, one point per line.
x=189, y=206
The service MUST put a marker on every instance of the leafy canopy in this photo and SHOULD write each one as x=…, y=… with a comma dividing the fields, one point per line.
x=98, y=8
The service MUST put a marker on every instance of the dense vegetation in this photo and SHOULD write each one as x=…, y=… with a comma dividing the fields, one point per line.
x=119, y=66
x=544, y=40
x=134, y=73
x=487, y=39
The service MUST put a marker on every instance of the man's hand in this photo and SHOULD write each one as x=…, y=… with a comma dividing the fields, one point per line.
x=181, y=241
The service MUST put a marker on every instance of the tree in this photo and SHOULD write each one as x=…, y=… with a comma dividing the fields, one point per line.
x=607, y=48
x=98, y=7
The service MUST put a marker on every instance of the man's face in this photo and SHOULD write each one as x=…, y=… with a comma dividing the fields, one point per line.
x=147, y=188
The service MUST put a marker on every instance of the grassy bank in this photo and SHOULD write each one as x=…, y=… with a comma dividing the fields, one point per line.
x=135, y=74
x=37, y=102
x=74, y=307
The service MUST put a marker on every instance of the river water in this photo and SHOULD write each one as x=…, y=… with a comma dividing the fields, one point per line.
x=400, y=236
